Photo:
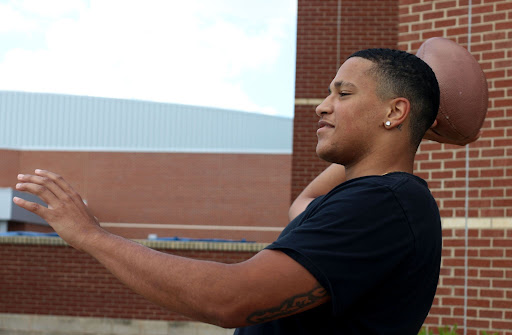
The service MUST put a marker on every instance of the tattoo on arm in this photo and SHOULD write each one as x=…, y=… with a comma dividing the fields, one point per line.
x=289, y=306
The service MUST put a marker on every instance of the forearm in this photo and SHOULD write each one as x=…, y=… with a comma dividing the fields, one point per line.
x=193, y=288
x=331, y=177
x=267, y=286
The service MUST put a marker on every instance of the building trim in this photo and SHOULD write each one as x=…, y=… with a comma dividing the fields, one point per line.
x=477, y=223
x=249, y=151
x=189, y=227
x=154, y=244
x=447, y=223
x=308, y=101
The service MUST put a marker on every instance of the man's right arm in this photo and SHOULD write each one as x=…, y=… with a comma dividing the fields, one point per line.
x=268, y=286
x=322, y=184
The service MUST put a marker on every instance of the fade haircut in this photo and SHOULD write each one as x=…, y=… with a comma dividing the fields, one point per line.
x=401, y=74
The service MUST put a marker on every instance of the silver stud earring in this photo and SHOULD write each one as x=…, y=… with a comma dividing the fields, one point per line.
x=388, y=123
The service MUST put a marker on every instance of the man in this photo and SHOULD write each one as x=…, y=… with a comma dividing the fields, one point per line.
x=362, y=252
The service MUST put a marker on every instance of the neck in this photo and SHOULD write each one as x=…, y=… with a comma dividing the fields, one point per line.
x=380, y=164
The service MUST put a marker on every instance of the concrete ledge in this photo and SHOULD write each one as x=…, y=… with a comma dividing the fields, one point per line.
x=308, y=101
x=447, y=223
x=29, y=324
x=154, y=244
x=206, y=246
x=477, y=223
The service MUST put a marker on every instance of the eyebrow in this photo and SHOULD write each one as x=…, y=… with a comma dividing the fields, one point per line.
x=342, y=83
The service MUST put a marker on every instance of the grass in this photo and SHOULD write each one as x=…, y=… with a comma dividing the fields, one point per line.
x=447, y=331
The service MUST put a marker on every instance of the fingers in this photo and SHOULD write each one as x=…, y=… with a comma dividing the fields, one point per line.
x=65, y=190
x=66, y=212
x=32, y=207
x=57, y=179
x=34, y=185
x=49, y=186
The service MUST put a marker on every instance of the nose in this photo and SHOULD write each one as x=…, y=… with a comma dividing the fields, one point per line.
x=324, y=108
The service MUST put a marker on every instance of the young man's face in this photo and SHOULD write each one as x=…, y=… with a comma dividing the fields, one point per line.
x=352, y=116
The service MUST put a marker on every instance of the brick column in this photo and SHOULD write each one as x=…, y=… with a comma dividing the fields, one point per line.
x=327, y=32
x=443, y=166
x=489, y=275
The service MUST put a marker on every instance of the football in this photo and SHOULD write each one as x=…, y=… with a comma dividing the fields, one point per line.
x=463, y=88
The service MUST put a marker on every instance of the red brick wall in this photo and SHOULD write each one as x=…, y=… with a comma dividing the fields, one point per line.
x=489, y=282
x=491, y=156
x=316, y=47
x=171, y=188
x=59, y=280
x=443, y=166
x=490, y=166
x=363, y=24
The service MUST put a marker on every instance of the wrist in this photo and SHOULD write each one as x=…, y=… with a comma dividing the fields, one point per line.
x=90, y=238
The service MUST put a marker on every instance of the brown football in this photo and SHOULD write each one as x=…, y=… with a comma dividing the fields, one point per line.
x=464, y=93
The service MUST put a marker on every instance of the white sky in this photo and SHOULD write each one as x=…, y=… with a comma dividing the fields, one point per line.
x=235, y=54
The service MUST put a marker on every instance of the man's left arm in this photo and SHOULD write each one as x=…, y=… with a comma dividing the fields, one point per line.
x=268, y=286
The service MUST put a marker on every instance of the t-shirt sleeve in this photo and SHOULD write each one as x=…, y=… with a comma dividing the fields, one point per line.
x=351, y=241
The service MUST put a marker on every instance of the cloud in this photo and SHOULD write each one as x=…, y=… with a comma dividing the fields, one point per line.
x=12, y=20
x=49, y=8
x=195, y=52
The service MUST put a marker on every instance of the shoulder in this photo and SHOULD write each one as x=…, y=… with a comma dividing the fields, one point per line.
x=399, y=197
x=378, y=188
x=392, y=202
x=392, y=181
x=360, y=199
x=393, y=185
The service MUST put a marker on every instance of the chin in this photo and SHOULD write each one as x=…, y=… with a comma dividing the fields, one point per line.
x=326, y=155
x=334, y=154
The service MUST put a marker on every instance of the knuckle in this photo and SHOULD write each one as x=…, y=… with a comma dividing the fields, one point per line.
x=66, y=198
x=75, y=195
x=39, y=189
x=33, y=207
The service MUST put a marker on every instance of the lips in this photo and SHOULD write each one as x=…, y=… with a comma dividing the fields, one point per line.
x=324, y=124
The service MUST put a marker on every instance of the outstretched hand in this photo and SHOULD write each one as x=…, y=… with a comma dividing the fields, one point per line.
x=66, y=211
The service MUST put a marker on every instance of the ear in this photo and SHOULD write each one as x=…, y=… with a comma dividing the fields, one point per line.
x=399, y=110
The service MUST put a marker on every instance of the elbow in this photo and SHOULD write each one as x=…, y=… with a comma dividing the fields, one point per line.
x=294, y=210
x=230, y=320
x=229, y=324
x=228, y=300
x=291, y=215
x=229, y=315
x=298, y=206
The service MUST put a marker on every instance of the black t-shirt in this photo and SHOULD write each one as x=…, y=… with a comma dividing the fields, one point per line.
x=374, y=243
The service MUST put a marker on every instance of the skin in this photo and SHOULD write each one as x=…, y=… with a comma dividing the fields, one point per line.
x=270, y=285
x=267, y=286
x=352, y=133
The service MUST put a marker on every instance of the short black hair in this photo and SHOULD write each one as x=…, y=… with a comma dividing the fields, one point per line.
x=401, y=74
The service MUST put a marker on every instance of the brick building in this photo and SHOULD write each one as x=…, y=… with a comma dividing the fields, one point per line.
x=143, y=168
x=154, y=168
x=327, y=32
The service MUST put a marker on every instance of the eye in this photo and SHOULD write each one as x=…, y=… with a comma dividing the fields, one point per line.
x=343, y=94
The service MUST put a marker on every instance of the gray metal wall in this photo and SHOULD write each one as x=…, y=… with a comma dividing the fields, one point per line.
x=38, y=121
